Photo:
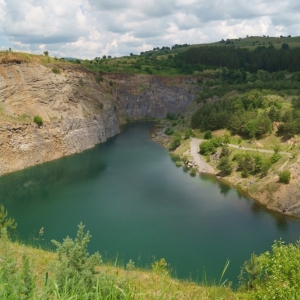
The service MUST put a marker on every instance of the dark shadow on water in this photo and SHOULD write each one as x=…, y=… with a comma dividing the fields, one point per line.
x=39, y=181
x=281, y=223
x=223, y=187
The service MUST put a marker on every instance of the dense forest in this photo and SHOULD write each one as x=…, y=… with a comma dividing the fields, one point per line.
x=262, y=58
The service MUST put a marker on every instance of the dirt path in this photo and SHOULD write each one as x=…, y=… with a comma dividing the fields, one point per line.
x=203, y=166
x=255, y=149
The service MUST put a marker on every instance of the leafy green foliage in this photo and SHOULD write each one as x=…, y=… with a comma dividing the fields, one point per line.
x=160, y=266
x=38, y=120
x=241, y=115
x=285, y=176
x=98, y=78
x=275, y=158
x=207, y=147
x=6, y=222
x=225, y=152
x=193, y=172
x=275, y=274
x=188, y=133
x=225, y=166
x=171, y=116
x=55, y=70
x=168, y=131
x=175, y=143
x=207, y=135
x=16, y=282
x=75, y=266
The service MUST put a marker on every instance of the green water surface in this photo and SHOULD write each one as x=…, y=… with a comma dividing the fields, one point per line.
x=138, y=205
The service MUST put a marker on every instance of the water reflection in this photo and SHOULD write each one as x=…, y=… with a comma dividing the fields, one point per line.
x=39, y=181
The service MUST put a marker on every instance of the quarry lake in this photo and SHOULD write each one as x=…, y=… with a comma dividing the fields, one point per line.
x=138, y=205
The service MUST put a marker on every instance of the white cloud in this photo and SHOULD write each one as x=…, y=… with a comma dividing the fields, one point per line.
x=89, y=28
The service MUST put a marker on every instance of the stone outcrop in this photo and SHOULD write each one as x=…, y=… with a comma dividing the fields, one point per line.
x=78, y=112
x=139, y=96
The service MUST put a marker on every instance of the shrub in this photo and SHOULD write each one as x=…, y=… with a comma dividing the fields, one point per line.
x=275, y=158
x=16, y=281
x=178, y=163
x=188, y=133
x=38, y=120
x=193, y=172
x=285, y=176
x=99, y=78
x=5, y=221
x=175, y=143
x=207, y=147
x=225, y=166
x=56, y=70
x=75, y=266
x=274, y=274
x=169, y=131
x=207, y=135
x=148, y=70
x=171, y=116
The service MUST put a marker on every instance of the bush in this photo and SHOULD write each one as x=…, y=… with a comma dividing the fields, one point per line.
x=225, y=166
x=207, y=147
x=274, y=274
x=17, y=281
x=207, y=135
x=175, y=143
x=188, y=133
x=178, y=163
x=99, y=78
x=38, y=120
x=169, y=131
x=170, y=116
x=75, y=266
x=285, y=176
x=193, y=172
x=5, y=221
x=56, y=70
x=275, y=158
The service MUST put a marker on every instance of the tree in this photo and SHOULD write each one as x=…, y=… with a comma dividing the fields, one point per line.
x=285, y=46
x=46, y=53
x=225, y=151
x=225, y=166
x=207, y=135
x=175, y=143
x=6, y=222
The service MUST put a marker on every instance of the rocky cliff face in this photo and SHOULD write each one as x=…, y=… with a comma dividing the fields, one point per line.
x=78, y=112
x=139, y=96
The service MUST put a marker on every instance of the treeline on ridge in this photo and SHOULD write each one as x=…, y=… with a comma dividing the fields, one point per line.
x=262, y=58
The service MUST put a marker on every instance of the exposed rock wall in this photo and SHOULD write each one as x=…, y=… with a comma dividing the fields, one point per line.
x=139, y=96
x=78, y=112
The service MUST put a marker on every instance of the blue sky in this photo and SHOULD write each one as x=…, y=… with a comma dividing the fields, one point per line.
x=90, y=28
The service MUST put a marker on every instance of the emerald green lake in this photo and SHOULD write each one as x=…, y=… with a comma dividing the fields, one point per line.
x=138, y=205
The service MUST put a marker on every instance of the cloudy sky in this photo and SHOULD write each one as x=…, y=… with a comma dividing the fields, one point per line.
x=90, y=28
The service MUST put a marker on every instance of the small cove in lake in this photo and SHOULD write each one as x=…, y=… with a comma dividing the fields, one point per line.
x=137, y=204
